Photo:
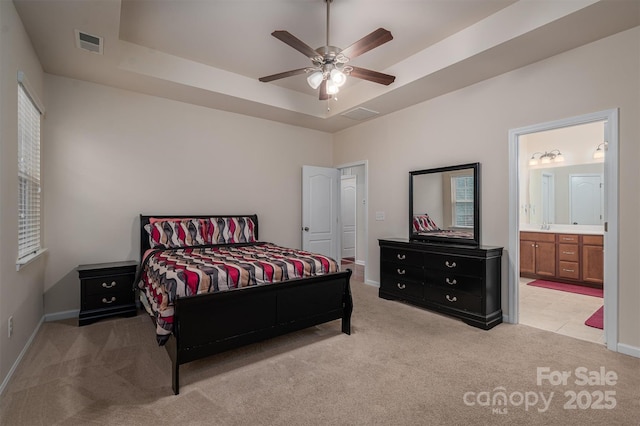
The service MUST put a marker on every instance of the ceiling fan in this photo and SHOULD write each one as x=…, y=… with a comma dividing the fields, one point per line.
x=330, y=70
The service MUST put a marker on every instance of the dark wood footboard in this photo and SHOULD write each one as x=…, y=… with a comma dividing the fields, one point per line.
x=250, y=315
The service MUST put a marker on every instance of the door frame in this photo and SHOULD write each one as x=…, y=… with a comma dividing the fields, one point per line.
x=611, y=161
x=365, y=225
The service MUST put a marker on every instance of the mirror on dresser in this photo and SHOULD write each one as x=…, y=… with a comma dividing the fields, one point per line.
x=444, y=204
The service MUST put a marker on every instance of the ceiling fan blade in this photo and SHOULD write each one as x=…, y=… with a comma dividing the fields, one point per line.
x=296, y=43
x=375, y=76
x=323, y=91
x=282, y=75
x=368, y=42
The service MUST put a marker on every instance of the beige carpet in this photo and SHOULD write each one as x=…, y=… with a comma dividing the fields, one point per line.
x=401, y=366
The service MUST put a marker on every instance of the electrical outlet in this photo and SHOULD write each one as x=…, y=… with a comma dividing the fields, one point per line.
x=10, y=326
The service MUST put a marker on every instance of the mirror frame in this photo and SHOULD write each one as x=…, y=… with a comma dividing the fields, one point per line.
x=475, y=241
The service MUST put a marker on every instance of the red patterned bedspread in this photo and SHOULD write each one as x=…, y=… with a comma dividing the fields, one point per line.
x=170, y=273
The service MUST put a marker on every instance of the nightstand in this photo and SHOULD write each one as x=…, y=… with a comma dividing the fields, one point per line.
x=106, y=290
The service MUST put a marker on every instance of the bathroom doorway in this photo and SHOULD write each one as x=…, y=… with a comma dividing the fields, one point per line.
x=561, y=149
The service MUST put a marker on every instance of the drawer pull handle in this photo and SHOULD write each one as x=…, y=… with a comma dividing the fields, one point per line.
x=401, y=256
x=105, y=285
x=401, y=286
x=452, y=299
x=568, y=252
x=104, y=300
x=401, y=271
x=448, y=281
x=568, y=270
x=450, y=265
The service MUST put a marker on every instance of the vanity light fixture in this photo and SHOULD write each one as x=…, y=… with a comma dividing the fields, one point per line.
x=599, y=152
x=546, y=157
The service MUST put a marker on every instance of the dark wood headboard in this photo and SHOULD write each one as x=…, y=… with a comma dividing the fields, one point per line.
x=144, y=220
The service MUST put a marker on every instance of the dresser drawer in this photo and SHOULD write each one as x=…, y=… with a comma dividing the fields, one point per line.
x=394, y=271
x=113, y=283
x=454, y=264
x=449, y=280
x=402, y=256
x=402, y=288
x=568, y=270
x=453, y=299
x=108, y=299
x=568, y=252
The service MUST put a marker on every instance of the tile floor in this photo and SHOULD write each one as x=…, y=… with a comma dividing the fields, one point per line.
x=559, y=311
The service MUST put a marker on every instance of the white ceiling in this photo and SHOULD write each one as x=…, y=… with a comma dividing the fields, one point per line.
x=211, y=52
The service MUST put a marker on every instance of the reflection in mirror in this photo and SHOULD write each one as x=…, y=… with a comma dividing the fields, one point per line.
x=444, y=204
x=569, y=195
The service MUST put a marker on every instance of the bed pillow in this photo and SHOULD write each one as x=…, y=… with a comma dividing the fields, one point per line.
x=175, y=233
x=423, y=223
x=229, y=230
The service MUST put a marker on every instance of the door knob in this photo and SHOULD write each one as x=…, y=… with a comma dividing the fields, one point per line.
x=306, y=229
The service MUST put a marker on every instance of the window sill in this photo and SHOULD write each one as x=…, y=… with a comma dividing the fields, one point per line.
x=21, y=263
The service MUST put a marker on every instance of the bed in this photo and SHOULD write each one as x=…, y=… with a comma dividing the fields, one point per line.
x=424, y=225
x=209, y=285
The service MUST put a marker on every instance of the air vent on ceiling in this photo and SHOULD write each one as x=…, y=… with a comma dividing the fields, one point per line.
x=88, y=42
x=360, y=113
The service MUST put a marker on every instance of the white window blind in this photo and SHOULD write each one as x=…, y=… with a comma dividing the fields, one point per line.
x=28, y=175
x=462, y=187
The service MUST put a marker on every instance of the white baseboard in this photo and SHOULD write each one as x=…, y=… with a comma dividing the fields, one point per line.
x=360, y=262
x=629, y=350
x=57, y=316
x=372, y=283
x=19, y=359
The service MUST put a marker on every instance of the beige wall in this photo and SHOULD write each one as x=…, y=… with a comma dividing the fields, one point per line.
x=20, y=292
x=472, y=125
x=113, y=154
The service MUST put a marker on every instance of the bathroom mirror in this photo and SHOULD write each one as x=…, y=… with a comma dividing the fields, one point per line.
x=566, y=195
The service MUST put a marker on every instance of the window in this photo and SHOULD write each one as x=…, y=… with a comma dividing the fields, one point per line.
x=29, y=242
x=462, y=191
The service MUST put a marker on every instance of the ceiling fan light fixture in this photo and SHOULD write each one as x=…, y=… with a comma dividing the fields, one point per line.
x=332, y=88
x=338, y=77
x=329, y=70
x=314, y=79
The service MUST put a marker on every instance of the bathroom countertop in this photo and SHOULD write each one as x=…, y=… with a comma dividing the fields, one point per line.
x=565, y=229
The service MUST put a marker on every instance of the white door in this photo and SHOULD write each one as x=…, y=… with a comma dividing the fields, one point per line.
x=320, y=201
x=548, y=199
x=586, y=193
x=348, y=215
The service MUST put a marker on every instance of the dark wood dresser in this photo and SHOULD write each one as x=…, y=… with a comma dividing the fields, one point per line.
x=106, y=289
x=460, y=281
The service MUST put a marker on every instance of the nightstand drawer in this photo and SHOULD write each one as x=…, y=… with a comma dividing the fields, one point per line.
x=108, y=284
x=109, y=299
x=453, y=299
